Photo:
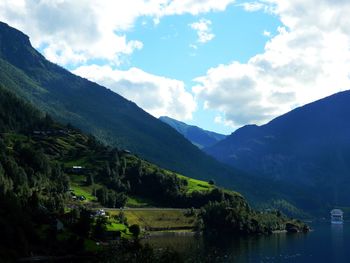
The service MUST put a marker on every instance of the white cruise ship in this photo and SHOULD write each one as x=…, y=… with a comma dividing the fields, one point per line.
x=337, y=216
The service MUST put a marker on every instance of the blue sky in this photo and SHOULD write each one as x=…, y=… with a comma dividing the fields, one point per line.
x=218, y=64
x=167, y=51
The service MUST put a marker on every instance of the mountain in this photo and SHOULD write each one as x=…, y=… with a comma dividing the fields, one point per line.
x=103, y=113
x=309, y=146
x=56, y=181
x=40, y=186
x=199, y=137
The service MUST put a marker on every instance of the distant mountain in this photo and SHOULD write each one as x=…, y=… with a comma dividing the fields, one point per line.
x=309, y=146
x=199, y=137
x=103, y=113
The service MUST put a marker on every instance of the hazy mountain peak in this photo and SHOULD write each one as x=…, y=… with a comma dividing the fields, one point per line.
x=198, y=136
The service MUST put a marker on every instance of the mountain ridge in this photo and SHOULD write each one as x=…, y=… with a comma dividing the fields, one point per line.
x=198, y=136
x=309, y=145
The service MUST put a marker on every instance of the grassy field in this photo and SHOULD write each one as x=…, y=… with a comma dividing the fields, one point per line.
x=134, y=201
x=158, y=219
x=112, y=226
x=196, y=185
x=83, y=191
x=79, y=188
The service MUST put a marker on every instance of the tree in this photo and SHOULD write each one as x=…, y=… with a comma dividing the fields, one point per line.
x=122, y=219
x=101, y=195
x=100, y=227
x=121, y=200
x=90, y=179
x=83, y=226
x=226, y=217
x=135, y=230
x=211, y=182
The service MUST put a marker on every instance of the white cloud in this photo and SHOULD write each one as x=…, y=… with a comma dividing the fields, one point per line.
x=73, y=31
x=308, y=59
x=223, y=121
x=267, y=33
x=194, y=7
x=157, y=95
x=202, y=27
x=252, y=6
x=78, y=31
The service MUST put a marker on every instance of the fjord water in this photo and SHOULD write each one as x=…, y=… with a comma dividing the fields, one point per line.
x=326, y=243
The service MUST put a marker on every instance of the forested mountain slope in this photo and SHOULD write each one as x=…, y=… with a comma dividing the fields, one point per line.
x=43, y=162
x=309, y=146
x=99, y=111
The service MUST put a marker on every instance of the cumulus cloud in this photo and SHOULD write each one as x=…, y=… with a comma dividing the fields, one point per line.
x=202, y=27
x=157, y=95
x=253, y=6
x=73, y=31
x=309, y=58
x=78, y=31
x=194, y=7
x=267, y=33
x=234, y=90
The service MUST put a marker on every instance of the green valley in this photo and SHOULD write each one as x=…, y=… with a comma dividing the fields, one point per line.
x=63, y=191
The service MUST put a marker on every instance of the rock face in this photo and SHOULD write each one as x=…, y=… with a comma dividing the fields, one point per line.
x=309, y=146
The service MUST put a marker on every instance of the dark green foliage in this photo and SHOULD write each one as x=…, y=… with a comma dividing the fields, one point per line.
x=84, y=224
x=111, y=198
x=122, y=218
x=135, y=230
x=166, y=188
x=22, y=118
x=226, y=217
x=100, y=228
x=90, y=179
x=236, y=217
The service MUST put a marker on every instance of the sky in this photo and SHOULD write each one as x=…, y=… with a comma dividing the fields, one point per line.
x=217, y=64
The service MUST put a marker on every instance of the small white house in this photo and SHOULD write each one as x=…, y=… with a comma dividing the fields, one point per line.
x=337, y=216
x=100, y=212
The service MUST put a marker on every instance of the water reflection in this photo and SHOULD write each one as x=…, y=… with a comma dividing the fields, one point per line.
x=337, y=242
x=325, y=244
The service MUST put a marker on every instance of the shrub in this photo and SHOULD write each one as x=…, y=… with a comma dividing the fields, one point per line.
x=135, y=230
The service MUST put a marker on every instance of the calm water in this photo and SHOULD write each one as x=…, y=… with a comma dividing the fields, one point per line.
x=327, y=243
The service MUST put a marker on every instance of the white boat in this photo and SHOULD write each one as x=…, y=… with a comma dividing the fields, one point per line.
x=337, y=216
